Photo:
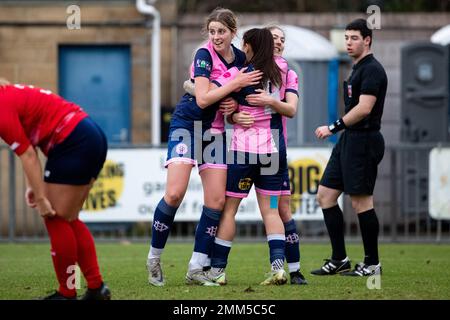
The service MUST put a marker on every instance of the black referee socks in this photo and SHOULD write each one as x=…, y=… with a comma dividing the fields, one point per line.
x=368, y=223
x=334, y=220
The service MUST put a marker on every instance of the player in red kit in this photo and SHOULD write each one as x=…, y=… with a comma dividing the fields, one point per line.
x=76, y=149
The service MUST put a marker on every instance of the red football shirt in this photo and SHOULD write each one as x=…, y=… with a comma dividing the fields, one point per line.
x=34, y=116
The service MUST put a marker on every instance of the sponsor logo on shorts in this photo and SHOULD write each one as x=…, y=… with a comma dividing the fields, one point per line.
x=245, y=184
x=181, y=148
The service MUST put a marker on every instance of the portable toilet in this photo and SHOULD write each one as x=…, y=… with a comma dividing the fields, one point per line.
x=315, y=60
x=442, y=37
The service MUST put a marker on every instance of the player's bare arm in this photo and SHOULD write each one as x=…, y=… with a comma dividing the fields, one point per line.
x=361, y=111
x=206, y=97
x=33, y=171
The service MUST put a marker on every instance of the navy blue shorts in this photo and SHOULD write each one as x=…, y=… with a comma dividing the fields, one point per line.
x=79, y=158
x=286, y=184
x=196, y=147
x=247, y=169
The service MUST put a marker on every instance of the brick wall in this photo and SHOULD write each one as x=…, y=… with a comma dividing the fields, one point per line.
x=30, y=35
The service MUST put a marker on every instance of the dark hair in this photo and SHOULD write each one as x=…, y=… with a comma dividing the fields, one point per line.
x=361, y=26
x=261, y=41
x=224, y=16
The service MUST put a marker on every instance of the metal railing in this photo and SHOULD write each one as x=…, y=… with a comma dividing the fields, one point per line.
x=401, y=203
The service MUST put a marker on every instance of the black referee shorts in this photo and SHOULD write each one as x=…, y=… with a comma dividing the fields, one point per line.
x=352, y=167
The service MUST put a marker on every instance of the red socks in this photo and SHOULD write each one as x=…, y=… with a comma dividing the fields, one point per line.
x=64, y=253
x=72, y=242
x=87, y=257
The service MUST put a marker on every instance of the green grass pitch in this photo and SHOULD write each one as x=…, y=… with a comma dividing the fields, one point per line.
x=410, y=271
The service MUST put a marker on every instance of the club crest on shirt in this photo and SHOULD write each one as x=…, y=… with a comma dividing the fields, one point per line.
x=203, y=64
x=349, y=90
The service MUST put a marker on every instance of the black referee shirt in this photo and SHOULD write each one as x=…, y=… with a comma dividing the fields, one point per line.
x=369, y=78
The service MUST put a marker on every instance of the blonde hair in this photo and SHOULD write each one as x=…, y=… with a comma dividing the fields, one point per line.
x=271, y=26
x=4, y=82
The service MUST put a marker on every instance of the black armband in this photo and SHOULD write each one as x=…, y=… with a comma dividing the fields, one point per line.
x=337, y=126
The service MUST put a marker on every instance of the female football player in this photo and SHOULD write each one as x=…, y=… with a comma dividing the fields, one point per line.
x=76, y=149
x=259, y=158
x=196, y=128
x=289, y=99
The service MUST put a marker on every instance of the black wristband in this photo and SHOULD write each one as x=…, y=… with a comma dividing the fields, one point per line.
x=337, y=126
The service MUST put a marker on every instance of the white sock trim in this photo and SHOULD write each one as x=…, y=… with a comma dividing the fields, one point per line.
x=222, y=242
x=276, y=236
x=198, y=260
x=154, y=253
x=293, y=266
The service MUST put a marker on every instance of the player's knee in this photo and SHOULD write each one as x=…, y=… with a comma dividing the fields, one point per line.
x=321, y=198
x=361, y=204
x=67, y=212
x=356, y=205
x=325, y=198
x=173, y=198
x=285, y=212
x=216, y=202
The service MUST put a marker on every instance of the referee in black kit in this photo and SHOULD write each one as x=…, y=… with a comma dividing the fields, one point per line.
x=352, y=167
